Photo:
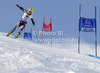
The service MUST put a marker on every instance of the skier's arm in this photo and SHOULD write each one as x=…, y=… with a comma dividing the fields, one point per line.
x=24, y=10
x=33, y=22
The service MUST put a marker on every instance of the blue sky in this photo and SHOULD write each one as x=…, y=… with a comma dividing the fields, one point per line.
x=64, y=13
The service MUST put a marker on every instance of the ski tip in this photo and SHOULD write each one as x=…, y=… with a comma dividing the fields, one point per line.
x=6, y=35
x=13, y=37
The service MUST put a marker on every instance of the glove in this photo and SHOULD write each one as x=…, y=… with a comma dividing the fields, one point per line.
x=17, y=5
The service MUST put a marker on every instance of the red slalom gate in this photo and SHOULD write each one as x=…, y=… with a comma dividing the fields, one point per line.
x=47, y=28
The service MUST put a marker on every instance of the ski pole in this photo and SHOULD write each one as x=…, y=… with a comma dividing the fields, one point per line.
x=36, y=33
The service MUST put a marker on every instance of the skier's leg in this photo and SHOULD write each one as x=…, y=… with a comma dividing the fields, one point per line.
x=13, y=29
x=22, y=27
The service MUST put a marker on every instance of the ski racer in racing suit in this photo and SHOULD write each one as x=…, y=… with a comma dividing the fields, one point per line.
x=25, y=18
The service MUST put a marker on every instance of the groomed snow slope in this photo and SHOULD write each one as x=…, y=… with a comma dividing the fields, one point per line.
x=17, y=56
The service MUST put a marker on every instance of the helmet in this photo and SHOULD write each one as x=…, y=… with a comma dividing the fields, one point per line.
x=31, y=10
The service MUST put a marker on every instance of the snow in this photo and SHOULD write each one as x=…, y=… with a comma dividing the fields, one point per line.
x=21, y=56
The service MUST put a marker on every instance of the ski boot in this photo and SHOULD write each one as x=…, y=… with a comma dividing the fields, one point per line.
x=17, y=35
x=8, y=34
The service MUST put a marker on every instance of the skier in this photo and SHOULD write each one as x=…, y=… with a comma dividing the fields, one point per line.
x=25, y=18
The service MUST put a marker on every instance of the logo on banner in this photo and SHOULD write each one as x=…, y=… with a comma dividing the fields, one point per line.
x=87, y=24
x=28, y=36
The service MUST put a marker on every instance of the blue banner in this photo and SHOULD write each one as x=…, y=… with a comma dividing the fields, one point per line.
x=87, y=25
x=28, y=36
